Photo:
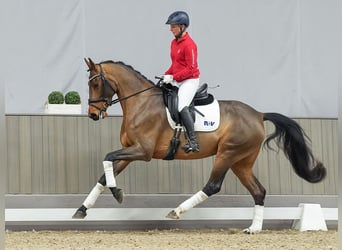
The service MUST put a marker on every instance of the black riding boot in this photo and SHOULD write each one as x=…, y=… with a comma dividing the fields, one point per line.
x=188, y=123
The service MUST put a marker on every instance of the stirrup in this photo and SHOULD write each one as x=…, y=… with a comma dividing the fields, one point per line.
x=191, y=147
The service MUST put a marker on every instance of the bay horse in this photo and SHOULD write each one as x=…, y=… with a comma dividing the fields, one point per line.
x=145, y=134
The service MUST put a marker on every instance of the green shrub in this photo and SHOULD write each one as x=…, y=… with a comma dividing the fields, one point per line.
x=72, y=97
x=56, y=97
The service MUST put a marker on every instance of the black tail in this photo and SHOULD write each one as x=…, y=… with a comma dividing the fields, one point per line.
x=291, y=138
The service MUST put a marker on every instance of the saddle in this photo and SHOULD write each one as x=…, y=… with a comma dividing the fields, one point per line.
x=170, y=97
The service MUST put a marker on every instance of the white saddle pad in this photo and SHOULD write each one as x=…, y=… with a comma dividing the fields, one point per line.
x=209, y=122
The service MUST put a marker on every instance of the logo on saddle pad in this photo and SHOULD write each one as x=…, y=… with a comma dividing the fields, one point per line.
x=208, y=123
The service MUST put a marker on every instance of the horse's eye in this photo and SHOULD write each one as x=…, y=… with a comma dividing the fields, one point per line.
x=93, y=85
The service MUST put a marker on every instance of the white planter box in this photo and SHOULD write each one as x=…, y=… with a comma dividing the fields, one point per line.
x=63, y=109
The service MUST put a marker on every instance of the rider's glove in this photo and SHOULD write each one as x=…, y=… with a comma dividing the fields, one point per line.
x=167, y=79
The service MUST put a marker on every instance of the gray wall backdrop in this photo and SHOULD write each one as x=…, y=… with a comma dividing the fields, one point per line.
x=282, y=55
x=63, y=155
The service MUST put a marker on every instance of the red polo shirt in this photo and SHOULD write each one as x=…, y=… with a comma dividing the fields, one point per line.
x=184, y=59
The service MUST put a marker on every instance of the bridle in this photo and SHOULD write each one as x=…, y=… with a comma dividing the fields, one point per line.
x=106, y=101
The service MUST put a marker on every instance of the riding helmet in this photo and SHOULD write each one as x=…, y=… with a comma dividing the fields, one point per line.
x=179, y=17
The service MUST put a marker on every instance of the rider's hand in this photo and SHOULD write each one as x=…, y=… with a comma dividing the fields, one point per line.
x=167, y=78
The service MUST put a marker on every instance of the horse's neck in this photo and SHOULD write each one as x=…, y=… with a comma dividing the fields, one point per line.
x=139, y=97
x=128, y=88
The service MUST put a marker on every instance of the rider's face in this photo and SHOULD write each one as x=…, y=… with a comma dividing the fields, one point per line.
x=176, y=29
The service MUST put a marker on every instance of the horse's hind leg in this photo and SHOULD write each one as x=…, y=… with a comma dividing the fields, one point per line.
x=243, y=170
x=212, y=187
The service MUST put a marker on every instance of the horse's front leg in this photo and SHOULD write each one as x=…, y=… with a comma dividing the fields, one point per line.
x=98, y=189
x=117, y=161
x=89, y=202
x=113, y=164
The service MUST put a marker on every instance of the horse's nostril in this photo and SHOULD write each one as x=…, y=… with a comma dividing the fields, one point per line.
x=94, y=116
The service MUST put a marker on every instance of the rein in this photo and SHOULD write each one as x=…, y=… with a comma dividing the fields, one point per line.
x=108, y=103
x=127, y=97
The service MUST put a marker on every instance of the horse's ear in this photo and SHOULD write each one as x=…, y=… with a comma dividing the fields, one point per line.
x=90, y=63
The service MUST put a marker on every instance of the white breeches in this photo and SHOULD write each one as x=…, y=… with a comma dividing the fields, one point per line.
x=186, y=92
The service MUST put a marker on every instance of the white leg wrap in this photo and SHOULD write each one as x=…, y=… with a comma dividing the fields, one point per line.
x=257, y=220
x=108, y=169
x=93, y=195
x=191, y=202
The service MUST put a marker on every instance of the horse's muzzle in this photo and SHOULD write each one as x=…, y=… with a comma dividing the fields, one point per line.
x=95, y=116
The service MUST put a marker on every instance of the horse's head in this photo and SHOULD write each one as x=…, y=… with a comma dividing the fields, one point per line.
x=100, y=91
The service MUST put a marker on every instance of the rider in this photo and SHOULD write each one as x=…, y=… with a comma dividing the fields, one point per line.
x=183, y=73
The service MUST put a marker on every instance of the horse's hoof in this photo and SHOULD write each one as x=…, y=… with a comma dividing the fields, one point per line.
x=250, y=231
x=173, y=215
x=79, y=214
x=118, y=195
x=247, y=231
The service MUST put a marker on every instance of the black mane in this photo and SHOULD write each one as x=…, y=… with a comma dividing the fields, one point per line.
x=130, y=68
